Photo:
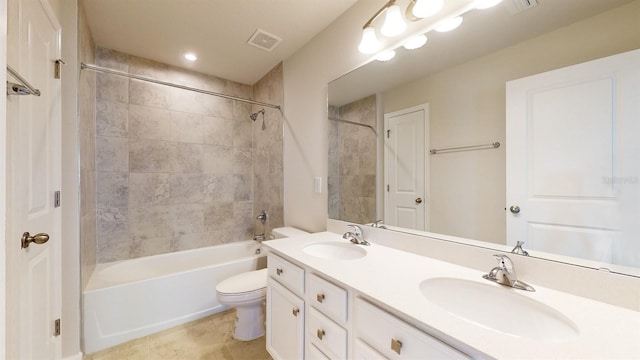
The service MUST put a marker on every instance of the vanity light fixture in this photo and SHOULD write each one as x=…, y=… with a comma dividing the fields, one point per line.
x=415, y=42
x=190, y=56
x=386, y=55
x=449, y=24
x=424, y=8
x=369, y=43
x=394, y=24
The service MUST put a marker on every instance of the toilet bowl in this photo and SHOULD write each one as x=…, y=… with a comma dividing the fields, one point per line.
x=246, y=292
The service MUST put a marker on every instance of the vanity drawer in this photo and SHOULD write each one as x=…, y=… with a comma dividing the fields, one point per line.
x=362, y=351
x=396, y=339
x=286, y=273
x=314, y=353
x=330, y=299
x=328, y=336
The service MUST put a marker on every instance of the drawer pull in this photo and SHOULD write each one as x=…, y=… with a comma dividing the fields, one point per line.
x=279, y=271
x=295, y=311
x=320, y=334
x=396, y=345
x=320, y=298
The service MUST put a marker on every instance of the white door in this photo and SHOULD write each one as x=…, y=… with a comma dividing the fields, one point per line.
x=406, y=200
x=35, y=163
x=571, y=157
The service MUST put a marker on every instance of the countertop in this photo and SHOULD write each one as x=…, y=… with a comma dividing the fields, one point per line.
x=392, y=277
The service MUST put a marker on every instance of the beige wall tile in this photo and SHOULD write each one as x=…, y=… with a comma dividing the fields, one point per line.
x=112, y=118
x=186, y=127
x=217, y=131
x=148, y=94
x=152, y=155
x=149, y=123
x=112, y=190
x=149, y=189
x=217, y=159
x=112, y=154
x=186, y=188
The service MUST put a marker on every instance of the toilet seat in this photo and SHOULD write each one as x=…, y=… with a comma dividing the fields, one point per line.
x=251, y=282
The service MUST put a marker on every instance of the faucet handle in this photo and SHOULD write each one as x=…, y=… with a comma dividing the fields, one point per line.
x=356, y=229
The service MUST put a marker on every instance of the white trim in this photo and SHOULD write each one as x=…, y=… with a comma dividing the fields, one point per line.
x=3, y=179
x=77, y=356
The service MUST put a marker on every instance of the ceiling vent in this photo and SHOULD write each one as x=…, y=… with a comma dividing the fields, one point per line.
x=518, y=6
x=263, y=40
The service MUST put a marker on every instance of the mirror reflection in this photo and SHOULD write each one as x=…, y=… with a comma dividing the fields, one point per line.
x=456, y=94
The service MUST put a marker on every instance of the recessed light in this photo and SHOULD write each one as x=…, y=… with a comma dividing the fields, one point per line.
x=190, y=56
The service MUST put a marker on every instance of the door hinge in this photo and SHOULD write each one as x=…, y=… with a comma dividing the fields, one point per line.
x=388, y=133
x=57, y=72
x=56, y=199
x=387, y=187
x=56, y=330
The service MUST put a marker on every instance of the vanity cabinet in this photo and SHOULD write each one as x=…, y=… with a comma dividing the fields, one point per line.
x=394, y=338
x=285, y=309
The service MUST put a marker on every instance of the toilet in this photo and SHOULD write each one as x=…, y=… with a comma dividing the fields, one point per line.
x=246, y=292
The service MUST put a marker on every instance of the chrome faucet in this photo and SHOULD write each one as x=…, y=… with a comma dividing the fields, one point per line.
x=519, y=250
x=505, y=274
x=377, y=224
x=356, y=237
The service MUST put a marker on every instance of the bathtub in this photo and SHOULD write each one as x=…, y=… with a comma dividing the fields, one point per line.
x=129, y=299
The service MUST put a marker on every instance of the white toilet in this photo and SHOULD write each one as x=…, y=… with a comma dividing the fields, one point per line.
x=246, y=292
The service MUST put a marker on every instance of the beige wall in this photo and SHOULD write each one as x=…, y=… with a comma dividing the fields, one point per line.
x=467, y=105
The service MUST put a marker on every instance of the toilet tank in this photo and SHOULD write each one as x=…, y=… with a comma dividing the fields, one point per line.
x=287, y=231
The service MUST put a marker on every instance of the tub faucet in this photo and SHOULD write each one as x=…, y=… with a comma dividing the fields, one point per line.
x=356, y=236
x=505, y=274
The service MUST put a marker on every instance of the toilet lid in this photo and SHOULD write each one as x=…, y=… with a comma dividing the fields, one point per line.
x=244, y=282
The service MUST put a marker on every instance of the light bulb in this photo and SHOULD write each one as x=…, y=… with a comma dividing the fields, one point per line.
x=425, y=8
x=190, y=56
x=485, y=4
x=386, y=55
x=393, y=22
x=415, y=42
x=449, y=24
x=369, y=43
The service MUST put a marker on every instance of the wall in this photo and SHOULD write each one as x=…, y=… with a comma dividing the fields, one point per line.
x=3, y=180
x=467, y=107
x=267, y=152
x=175, y=168
x=351, y=180
x=327, y=56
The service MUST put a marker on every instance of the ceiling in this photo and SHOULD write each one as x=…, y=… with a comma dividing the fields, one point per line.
x=482, y=32
x=215, y=30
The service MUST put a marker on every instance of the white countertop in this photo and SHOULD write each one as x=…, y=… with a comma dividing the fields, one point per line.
x=392, y=277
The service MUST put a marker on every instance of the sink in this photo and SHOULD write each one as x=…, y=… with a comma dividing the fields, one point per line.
x=335, y=251
x=499, y=308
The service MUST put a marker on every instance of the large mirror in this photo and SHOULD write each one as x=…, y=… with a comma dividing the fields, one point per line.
x=457, y=83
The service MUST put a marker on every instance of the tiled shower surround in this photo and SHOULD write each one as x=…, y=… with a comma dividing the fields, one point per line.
x=175, y=168
x=352, y=162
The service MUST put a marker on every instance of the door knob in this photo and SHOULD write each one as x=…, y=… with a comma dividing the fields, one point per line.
x=39, y=239
x=514, y=209
x=419, y=201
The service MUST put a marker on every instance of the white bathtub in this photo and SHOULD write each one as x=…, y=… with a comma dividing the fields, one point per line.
x=128, y=299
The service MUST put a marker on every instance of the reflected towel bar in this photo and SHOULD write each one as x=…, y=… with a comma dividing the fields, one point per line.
x=493, y=145
x=354, y=123
x=160, y=82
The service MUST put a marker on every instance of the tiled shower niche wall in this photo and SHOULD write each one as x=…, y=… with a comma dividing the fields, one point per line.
x=174, y=167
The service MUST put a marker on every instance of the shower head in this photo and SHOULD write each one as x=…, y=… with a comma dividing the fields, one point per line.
x=254, y=116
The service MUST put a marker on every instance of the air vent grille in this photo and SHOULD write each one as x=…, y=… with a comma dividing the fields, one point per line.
x=263, y=40
x=518, y=6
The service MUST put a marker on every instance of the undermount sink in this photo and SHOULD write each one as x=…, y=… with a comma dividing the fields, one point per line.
x=499, y=308
x=335, y=251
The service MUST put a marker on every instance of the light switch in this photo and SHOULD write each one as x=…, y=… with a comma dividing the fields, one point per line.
x=317, y=184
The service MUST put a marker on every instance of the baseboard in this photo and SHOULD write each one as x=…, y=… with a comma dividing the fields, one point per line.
x=77, y=356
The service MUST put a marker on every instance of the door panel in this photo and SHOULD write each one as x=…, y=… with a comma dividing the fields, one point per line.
x=406, y=199
x=567, y=151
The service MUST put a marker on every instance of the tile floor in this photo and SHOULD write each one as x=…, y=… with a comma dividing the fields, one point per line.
x=205, y=339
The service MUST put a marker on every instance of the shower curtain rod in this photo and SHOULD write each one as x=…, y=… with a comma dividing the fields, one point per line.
x=160, y=82
x=354, y=123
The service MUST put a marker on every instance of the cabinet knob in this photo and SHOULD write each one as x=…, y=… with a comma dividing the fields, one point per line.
x=396, y=345
x=295, y=311
x=320, y=334
x=279, y=271
x=320, y=298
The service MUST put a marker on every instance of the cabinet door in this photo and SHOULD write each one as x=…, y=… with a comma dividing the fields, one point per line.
x=285, y=323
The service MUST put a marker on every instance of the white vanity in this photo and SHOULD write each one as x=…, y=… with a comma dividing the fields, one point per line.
x=330, y=299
